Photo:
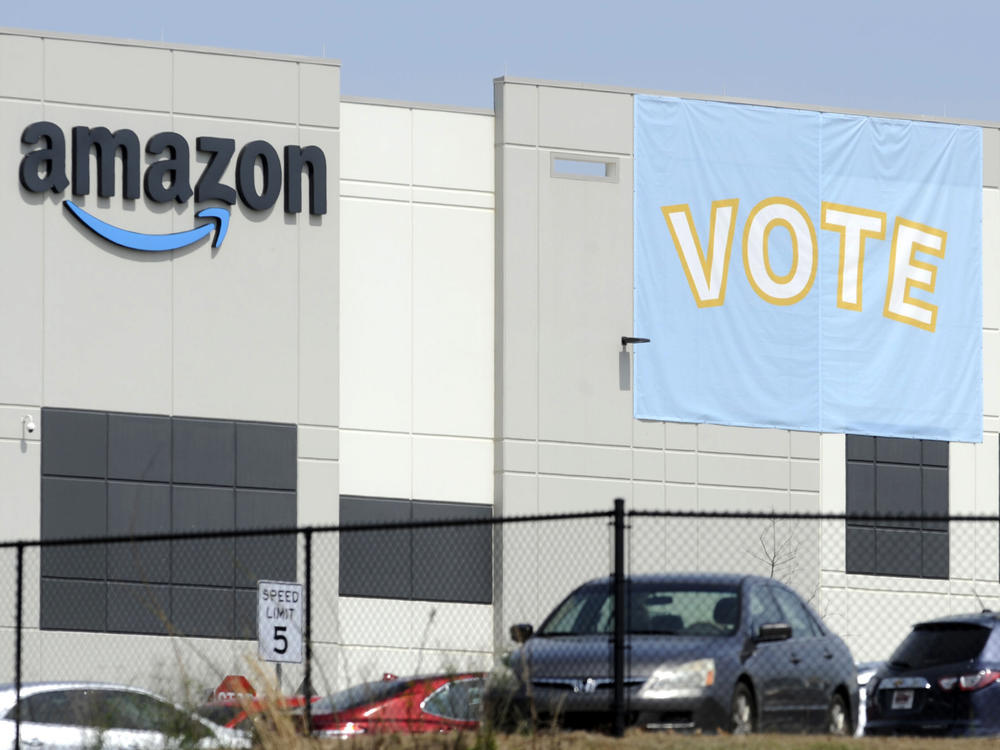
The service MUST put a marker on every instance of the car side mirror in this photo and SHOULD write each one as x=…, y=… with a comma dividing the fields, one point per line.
x=521, y=632
x=773, y=631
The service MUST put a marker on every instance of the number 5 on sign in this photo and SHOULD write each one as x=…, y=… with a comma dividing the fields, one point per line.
x=279, y=621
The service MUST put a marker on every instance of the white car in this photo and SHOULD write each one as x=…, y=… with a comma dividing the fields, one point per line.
x=64, y=715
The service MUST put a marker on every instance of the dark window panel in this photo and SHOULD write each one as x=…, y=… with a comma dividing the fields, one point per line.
x=74, y=443
x=246, y=614
x=139, y=447
x=897, y=450
x=266, y=455
x=861, y=489
x=73, y=605
x=206, y=612
x=137, y=509
x=935, y=453
x=935, y=554
x=138, y=608
x=268, y=557
x=73, y=508
x=203, y=561
x=452, y=563
x=204, y=452
x=860, y=448
x=375, y=563
x=861, y=550
x=898, y=552
x=899, y=494
x=935, y=496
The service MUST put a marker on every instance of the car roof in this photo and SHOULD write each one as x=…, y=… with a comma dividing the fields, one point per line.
x=7, y=691
x=986, y=618
x=730, y=579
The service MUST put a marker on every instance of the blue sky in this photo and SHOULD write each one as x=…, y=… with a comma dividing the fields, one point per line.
x=914, y=57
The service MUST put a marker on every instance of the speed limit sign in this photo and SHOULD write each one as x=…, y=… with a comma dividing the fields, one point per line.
x=279, y=621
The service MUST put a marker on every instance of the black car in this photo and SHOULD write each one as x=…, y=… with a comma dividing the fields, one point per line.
x=708, y=652
x=943, y=680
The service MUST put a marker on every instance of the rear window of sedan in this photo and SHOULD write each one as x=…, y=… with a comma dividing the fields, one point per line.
x=940, y=643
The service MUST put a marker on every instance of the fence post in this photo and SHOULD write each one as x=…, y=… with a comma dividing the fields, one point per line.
x=18, y=624
x=308, y=634
x=620, y=604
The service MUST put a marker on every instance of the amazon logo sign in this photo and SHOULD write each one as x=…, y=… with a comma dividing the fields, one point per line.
x=168, y=178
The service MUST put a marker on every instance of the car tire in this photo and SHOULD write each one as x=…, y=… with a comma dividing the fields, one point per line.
x=742, y=710
x=837, y=722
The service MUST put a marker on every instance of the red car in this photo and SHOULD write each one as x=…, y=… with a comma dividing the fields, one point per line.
x=432, y=703
x=237, y=713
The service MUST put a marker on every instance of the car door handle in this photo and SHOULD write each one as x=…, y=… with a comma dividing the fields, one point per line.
x=794, y=659
x=827, y=655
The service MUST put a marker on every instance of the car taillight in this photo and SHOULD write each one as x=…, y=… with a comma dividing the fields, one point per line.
x=973, y=681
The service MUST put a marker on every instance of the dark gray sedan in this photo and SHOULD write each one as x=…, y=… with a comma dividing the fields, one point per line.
x=708, y=652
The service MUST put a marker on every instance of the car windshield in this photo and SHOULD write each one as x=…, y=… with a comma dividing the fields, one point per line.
x=660, y=608
x=359, y=695
x=940, y=643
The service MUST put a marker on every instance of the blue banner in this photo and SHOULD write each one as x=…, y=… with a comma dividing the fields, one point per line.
x=807, y=271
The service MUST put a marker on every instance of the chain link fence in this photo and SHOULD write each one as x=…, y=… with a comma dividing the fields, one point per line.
x=177, y=614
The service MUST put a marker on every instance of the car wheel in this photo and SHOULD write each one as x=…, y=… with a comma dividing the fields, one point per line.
x=743, y=712
x=837, y=722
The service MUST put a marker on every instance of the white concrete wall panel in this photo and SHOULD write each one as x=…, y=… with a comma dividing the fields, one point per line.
x=234, y=87
x=578, y=119
x=108, y=328
x=453, y=469
x=21, y=68
x=646, y=434
x=520, y=455
x=375, y=464
x=318, y=492
x=22, y=256
x=584, y=460
x=20, y=501
x=319, y=96
x=519, y=289
x=376, y=335
x=319, y=295
x=452, y=321
x=991, y=157
x=519, y=115
x=585, y=307
x=452, y=154
x=743, y=471
x=96, y=74
x=377, y=143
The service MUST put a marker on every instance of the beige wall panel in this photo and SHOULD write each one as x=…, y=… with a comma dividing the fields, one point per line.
x=13, y=425
x=520, y=455
x=574, y=494
x=453, y=469
x=449, y=197
x=453, y=150
x=833, y=474
x=325, y=580
x=680, y=496
x=804, y=475
x=243, y=88
x=108, y=328
x=20, y=491
x=318, y=493
x=991, y=258
x=22, y=254
x=21, y=67
x=375, y=464
x=991, y=372
x=585, y=120
x=319, y=95
x=962, y=478
x=681, y=467
x=319, y=294
x=452, y=321
x=574, y=459
x=585, y=307
x=453, y=627
x=362, y=664
x=520, y=495
x=752, y=500
x=518, y=106
x=751, y=441
x=377, y=622
x=648, y=465
x=872, y=635
x=647, y=434
x=236, y=308
x=518, y=282
x=377, y=143
x=376, y=337
x=110, y=75
x=743, y=471
x=680, y=436
x=804, y=444
x=647, y=496
x=319, y=442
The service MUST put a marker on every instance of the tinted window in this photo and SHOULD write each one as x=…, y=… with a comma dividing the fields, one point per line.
x=653, y=608
x=795, y=613
x=55, y=707
x=359, y=695
x=945, y=643
x=459, y=700
x=763, y=609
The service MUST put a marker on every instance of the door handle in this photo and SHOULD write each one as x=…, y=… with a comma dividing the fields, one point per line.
x=794, y=659
x=828, y=655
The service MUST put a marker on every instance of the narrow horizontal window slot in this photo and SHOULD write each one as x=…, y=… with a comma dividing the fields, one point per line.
x=574, y=167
